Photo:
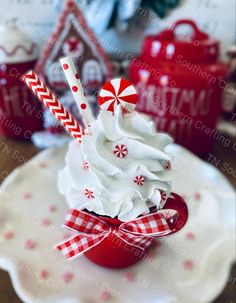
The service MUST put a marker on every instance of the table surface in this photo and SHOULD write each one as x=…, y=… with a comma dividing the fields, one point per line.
x=15, y=153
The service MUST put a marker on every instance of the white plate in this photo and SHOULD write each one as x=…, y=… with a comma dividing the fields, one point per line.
x=189, y=267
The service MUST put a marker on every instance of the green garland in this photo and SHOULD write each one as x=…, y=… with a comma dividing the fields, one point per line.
x=121, y=14
x=160, y=7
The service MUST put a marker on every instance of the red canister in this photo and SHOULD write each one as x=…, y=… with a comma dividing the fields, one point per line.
x=20, y=111
x=180, y=81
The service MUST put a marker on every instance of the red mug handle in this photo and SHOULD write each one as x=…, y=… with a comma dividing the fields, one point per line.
x=198, y=35
x=175, y=202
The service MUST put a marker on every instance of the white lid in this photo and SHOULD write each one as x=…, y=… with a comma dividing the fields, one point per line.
x=15, y=45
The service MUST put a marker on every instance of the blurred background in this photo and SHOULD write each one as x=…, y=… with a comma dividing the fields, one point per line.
x=180, y=55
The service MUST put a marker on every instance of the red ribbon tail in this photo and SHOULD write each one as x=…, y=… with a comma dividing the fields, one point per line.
x=79, y=244
x=139, y=242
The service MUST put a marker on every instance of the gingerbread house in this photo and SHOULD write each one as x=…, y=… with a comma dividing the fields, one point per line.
x=73, y=37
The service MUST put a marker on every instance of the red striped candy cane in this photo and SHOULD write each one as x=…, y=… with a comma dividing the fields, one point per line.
x=46, y=96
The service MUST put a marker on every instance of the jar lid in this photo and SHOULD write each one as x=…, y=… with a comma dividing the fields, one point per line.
x=15, y=45
x=167, y=46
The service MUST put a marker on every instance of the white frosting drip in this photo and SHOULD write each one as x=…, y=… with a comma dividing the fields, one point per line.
x=110, y=179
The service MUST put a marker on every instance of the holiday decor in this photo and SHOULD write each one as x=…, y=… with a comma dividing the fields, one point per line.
x=129, y=193
x=180, y=81
x=122, y=15
x=20, y=112
x=119, y=195
x=73, y=37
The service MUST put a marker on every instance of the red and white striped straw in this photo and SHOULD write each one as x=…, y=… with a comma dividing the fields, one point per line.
x=47, y=97
x=75, y=84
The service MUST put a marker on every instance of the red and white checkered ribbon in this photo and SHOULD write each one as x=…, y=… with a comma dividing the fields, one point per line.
x=91, y=230
x=46, y=96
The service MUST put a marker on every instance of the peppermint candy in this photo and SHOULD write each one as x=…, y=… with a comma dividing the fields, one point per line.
x=85, y=165
x=89, y=194
x=118, y=91
x=139, y=180
x=120, y=151
x=167, y=165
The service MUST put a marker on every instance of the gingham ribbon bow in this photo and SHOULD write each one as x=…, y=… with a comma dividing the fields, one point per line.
x=91, y=230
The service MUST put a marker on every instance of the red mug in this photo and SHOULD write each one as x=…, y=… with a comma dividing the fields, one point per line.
x=20, y=112
x=180, y=84
x=114, y=253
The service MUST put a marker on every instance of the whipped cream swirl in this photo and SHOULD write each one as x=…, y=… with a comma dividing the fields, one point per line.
x=121, y=170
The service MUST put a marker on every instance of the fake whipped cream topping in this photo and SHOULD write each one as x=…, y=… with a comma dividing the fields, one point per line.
x=120, y=169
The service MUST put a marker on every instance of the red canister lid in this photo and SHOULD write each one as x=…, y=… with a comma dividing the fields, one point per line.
x=167, y=46
x=15, y=45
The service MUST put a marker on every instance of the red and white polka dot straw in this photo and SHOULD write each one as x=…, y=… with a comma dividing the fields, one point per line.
x=73, y=79
x=53, y=104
